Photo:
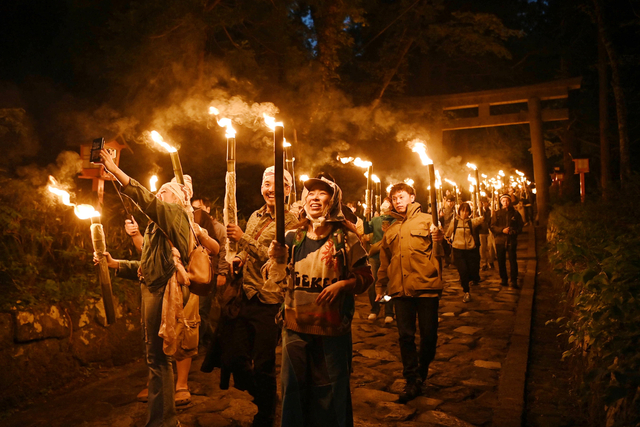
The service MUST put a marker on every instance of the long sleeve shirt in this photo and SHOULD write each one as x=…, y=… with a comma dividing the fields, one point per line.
x=166, y=220
x=260, y=231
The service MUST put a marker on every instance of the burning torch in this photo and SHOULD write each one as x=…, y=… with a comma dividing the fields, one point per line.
x=365, y=164
x=477, y=185
x=173, y=153
x=438, y=249
x=278, y=149
x=99, y=247
x=230, y=211
x=289, y=165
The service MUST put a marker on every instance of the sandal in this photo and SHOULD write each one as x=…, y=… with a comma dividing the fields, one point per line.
x=183, y=397
x=143, y=396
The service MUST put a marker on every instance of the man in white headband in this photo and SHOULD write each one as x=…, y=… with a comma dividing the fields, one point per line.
x=251, y=352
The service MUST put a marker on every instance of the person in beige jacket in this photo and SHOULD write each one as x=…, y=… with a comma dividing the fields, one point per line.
x=462, y=235
x=409, y=271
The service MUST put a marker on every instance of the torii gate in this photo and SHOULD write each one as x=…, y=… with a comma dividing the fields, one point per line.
x=534, y=115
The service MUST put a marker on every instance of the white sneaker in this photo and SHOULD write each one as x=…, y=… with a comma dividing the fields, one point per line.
x=466, y=297
x=372, y=316
x=388, y=320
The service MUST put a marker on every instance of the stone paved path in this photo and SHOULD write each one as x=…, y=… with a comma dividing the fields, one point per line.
x=462, y=390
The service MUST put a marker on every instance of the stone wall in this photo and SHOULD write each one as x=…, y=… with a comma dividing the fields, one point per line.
x=45, y=348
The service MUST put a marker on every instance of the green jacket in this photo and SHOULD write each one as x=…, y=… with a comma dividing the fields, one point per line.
x=378, y=225
x=166, y=219
x=408, y=266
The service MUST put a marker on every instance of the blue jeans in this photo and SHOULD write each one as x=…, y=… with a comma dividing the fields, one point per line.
x=416, y=364
x=315, y=380
x=161, y=410
x=375, y=306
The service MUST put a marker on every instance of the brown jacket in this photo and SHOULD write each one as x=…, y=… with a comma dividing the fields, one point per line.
x=408, y=267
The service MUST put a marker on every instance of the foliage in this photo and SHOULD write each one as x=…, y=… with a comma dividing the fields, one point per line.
x=596, y=247
x=45, y=250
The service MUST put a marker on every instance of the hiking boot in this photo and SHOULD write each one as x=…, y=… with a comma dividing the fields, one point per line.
x=388, y=320
x=466, y=297
x=411, y=391
x=372, y=316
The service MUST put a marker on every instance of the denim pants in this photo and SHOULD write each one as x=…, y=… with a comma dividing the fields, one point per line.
x=161, y=410
x=375, y=306
x=315, y=380
x=416, y=364
x=510, y=249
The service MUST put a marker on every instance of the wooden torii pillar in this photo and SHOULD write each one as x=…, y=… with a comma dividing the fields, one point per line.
x=534, y=115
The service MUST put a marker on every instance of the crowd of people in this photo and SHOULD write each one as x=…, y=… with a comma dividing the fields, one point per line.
x=300, y=294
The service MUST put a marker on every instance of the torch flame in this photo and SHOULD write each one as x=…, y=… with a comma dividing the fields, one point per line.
x=86, y=212
x=271, y=121
x=345, y=160
x=471, y=165
x=82, y=211
x=389, y=187
x=409, y=182
x=361, y=163
x=213, y=111
x=451, y=182
x=227, y=124
x=285, y=143
x=304, y=178
x=152, y=183
x=438, y=179
x=501, y=173
x=374, y=177
x=421, y=149
x=471, y=179
x=158, y=140
x=519, y=173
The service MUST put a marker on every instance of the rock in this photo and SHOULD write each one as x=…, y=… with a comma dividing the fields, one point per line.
x=6, y=330
x=468, y=330
x=450, y=314
x=453, y=348
x=212, y=420
x=471, y=314
x=475, y=383
x=464, y=340
x=367, y=395
x=378, y=355
x=397, y=387
x=456, y=393
x=240, y=410
x=40, y=325
x=469, y=412
x=442, y=419
x=487, y=364
x=394, y=411
x=423, y=403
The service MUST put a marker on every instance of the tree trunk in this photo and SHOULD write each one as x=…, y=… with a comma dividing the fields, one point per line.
x=605, y=156
x=621, y=106
x=540, y=172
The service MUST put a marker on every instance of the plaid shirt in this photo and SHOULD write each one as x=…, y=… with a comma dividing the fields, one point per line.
x=254, y=252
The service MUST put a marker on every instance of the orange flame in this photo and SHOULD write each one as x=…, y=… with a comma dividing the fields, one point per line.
x=158, y=140
x=271, y=122
x=152, y=183
x=421, y=149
